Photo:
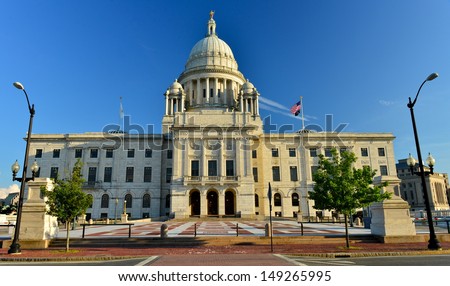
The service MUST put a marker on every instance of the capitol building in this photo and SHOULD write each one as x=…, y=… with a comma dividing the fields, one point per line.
x=212, y=158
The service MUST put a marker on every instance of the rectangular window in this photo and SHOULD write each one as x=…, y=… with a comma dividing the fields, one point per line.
x=168, y=175
x=342, y=150
x=254, y=154
x=276, y=173
x=92, y=175
x=147, y=174
x=169, y=154
x=313, y=152
x=229, y=168
x=109, y=153
x=56, y=153
x=78, y=153
x=94, y=153
x=292, y=152
x=53, y=172
x=293, y=171
x=38, y=153
x=148, y=153
x=212, y=168
x=129, y=175
x=383, y=170
x=204, y=93
x=364, y=152
x=211, y=92
x=314, y=169
x=328, y=152
x=255, y=174
x=274, y=152
x=195, y=168
x=130, y=153
x=381, y=152
x=108, y=175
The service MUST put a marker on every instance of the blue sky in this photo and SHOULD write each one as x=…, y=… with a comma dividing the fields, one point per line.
x=356, y=60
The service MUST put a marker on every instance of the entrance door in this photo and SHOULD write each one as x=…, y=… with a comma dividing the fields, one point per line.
x=229, y=203
x=213, y=205
x=195, y=203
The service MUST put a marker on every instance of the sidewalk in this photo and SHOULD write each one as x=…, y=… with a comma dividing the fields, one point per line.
x=218, y=243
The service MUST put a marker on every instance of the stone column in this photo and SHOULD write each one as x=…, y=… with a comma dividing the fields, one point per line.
x=391, y=217
x=207, y=89
x=37, y=228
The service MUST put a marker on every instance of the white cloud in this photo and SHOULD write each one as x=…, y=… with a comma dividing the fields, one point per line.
x=11, y=189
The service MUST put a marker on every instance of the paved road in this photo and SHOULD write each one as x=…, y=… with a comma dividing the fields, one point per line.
x=420, y=260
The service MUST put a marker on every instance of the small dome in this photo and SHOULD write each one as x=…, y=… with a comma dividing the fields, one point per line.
x=176, y=87
x=248, y=87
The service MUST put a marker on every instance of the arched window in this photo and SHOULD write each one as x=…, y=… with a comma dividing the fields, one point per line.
x=277, y=200
x=146, y=201
x=256, y=201
x=295, y=200
x=168, y=201
x=129, y=200
x=92, y=200
x=105, y=202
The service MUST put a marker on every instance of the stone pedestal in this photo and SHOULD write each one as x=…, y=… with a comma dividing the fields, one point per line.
x=124, y=218
x=391, y=217
x=37, y=228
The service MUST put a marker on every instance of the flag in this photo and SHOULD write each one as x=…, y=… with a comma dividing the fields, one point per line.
x=121, y=109
x=295, y=109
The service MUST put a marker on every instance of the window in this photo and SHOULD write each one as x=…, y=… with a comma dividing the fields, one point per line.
x=292, y=152
x=314, y=169
x=342, y=150
x=109, y=153
x=78, y=153
x=295, y=200
x=146, y=201
x=255, y=174
x=212, y=168
x=274, y=152
x=94, y=153
x=38, y=153
x=168, y=175
x=56, y=153
x=277, y=200
x=328, y=152
x=147, y=174
x=276, y=173
x=381, y=152
x=53, y=172
x=92, y=175
x=254, y=154
x=107, y=175
x=104, y=204
x=169, y=154
x=129, y=201
x=383, y=170
x=204, y=93
x=168, y=201
x=129, y=175
x=211, y=92
x=195, y=165
x=130, y=153
x=148, y=153
x=256, y=201
x=229, y=168
x=293, y=171
x=364, y=152
x=313, y=152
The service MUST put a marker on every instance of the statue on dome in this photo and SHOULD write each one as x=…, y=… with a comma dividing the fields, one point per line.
x=211, y=14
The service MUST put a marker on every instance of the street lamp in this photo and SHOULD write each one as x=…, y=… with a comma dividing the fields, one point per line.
x=15, y=246
x=433, y=243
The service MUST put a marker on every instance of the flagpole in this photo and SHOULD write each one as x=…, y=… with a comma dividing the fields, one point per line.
x=121, y=115
x=303, y=118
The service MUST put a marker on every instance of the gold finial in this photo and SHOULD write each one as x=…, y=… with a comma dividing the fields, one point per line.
x=211, y=14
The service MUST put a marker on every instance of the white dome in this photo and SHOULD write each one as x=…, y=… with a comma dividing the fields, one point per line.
x=176, y=87
x=247, y=87
x=211, y=51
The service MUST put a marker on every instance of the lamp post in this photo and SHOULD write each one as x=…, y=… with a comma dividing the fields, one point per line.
x=433, y=243
x=15, y=246
x=115, y=211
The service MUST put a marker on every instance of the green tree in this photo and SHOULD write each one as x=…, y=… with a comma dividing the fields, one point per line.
x=67, y=200
x=342, y=188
